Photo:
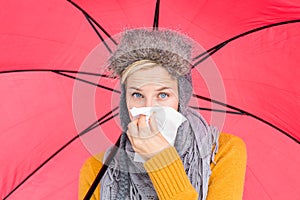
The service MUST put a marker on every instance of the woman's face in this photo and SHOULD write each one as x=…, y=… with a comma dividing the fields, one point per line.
x=151, y=87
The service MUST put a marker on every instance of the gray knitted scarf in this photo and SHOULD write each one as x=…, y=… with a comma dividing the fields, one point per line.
x=127, y=179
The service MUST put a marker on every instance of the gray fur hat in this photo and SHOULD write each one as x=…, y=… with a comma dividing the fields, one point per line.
x=165, y=47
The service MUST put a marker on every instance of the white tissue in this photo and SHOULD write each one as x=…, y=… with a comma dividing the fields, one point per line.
x=167, y=118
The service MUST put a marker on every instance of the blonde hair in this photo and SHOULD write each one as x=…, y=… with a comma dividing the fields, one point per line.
x=138, y=65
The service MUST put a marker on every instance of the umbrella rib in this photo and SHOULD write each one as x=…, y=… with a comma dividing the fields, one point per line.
x=51, y=70
x=156, y=15
x=222, y=44
x=93, y=20
x=87, y=73
x=207, y=54
x=100, y=121
x=219, y=46
x=249, y=114
x=97, y=32
x=85, y=81
x=217, y=110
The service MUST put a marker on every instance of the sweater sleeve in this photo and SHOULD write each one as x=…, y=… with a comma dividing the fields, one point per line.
x=168, y=176
x=88, y=172
x=226, y=182
x=228, y=174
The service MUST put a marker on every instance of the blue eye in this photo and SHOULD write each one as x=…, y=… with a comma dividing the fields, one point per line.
x=136, y=95
x=163, y=95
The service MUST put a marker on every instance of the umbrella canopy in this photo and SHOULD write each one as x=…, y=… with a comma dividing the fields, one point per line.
x=44, y=46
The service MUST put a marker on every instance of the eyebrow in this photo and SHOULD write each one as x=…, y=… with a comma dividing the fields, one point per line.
x=160, y=89
x=163, y=88
x=135, y=88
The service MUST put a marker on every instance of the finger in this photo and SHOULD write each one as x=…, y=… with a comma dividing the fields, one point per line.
x=135, y=122
x=153, y=123
x=131, y=139
x=142, y=121
x=143, y=128
x=133, y=128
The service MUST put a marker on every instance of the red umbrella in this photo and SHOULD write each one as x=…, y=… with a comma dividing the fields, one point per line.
x=45, y=44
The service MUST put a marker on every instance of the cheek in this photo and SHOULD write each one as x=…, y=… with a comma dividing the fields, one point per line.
x=172, y=102
x=128, y=103
x=134, y=102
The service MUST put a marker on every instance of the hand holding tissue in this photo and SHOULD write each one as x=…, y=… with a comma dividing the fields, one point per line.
x=167, y=119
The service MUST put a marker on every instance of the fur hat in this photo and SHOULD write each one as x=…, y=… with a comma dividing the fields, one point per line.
x=165, y=47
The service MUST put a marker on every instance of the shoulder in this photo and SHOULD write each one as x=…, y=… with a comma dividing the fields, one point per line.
x=228, y=170
x=232, y=149
x=231, y=142
x=88, y=172
x=92, y=164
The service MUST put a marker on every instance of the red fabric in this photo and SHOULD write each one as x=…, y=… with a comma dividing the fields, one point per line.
x=260, y=74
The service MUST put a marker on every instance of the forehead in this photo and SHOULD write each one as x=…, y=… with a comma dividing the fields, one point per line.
x=157, y=74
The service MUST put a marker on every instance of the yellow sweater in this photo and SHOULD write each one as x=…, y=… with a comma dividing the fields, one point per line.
x=170, y=182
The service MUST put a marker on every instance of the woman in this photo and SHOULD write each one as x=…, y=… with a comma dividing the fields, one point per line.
x=154, y=69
